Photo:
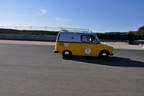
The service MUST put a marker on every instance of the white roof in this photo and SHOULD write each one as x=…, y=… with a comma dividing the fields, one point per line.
x=75, y=30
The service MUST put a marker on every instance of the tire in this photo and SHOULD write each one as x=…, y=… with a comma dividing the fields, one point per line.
x=104, y=54
x=67, y=54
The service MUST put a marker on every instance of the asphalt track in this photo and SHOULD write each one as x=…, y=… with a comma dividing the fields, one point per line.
x=33, y=70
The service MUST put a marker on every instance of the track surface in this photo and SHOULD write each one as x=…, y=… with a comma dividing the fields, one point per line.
x=32, y=70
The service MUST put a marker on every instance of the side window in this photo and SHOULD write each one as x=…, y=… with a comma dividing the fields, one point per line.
x=85, y=38
x=88, y=39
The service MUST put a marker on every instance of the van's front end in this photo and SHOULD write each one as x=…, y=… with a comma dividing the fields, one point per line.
x=109, y=48
x=104, y=49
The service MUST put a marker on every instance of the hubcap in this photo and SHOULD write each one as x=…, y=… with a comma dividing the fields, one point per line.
x=66, y=53
x=104, y=54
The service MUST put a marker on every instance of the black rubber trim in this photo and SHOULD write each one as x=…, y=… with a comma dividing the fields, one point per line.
x=56, y=51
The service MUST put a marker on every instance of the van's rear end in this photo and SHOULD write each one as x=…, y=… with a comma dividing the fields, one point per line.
x=57, y=44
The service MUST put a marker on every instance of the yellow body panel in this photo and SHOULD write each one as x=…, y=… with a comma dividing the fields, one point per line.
x=82, y=49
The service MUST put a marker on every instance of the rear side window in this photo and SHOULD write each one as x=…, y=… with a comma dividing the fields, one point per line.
x=69, y=37
x=88, y=38
x=85, y=38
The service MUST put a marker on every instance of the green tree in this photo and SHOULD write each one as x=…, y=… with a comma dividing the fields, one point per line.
x=141, y=30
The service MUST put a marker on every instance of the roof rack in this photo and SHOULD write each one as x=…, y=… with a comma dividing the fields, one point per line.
x=75, y=30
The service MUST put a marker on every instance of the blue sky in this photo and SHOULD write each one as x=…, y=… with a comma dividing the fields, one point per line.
x=98, y=15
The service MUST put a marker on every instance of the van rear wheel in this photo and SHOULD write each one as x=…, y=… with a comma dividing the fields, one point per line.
x=67, y=54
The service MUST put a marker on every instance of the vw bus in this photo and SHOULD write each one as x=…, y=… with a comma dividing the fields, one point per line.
x=81, y=44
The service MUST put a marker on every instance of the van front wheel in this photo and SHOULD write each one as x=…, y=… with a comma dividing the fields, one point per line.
x=104, y=54
x=67, y=54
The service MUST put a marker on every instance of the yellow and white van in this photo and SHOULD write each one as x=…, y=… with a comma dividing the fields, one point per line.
x=81, y=44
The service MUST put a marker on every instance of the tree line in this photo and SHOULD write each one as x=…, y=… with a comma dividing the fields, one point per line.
x=131, y=35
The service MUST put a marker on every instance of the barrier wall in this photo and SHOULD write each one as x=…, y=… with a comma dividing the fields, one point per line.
x=27, y=37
